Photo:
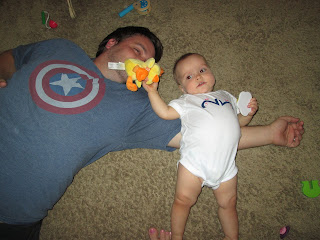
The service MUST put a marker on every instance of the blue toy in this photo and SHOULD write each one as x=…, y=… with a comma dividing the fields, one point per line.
x=125, y=11
x=143, y=7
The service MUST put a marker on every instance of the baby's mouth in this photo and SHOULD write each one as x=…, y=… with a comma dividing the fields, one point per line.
x=202, y=83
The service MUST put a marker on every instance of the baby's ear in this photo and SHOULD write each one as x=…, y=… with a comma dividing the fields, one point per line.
x=181, y=88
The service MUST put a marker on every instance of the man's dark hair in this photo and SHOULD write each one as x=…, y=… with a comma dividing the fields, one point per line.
x=125, y=32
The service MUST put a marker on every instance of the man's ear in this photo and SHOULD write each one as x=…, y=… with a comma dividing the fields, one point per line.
x=111, y=43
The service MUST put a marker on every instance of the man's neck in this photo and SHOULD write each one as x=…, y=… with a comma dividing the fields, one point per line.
x=113, y=75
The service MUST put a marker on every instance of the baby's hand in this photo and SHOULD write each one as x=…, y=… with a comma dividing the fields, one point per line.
x=253, y=104
x=150, y=87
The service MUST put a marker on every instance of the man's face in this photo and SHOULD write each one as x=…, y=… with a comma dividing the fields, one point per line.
x=137, y=47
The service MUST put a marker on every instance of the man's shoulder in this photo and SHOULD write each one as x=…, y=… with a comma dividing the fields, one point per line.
x=58, y=42
x=61, y=48
x=56, y=45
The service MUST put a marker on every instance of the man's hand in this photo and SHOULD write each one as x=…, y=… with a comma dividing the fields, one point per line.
x=284, y=131
x=7, y=67
x=3, y=83
x=287, y=131
x=153, y=234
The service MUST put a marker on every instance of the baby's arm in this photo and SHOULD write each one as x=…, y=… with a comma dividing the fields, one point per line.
x=245, y=120
x=188, y=188
x=159, y=106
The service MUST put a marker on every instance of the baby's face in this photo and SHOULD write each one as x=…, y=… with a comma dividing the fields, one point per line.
x=194, y=75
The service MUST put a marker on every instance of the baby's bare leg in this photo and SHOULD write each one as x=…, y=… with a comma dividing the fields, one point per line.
x=226, y=196
x=188, y=188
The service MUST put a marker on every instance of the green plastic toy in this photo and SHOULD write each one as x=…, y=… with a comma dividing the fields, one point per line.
x=311, y=188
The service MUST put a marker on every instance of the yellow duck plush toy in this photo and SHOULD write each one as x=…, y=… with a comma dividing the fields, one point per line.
x=138, y=71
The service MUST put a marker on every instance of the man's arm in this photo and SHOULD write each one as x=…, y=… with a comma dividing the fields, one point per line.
x=7, y=67
x=175, y=142
x=284, y=131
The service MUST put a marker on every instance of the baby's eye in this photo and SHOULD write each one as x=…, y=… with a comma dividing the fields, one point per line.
x=189, y=77
x=202, y=70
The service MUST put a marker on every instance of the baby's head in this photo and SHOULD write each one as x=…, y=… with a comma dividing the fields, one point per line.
x=193, y=75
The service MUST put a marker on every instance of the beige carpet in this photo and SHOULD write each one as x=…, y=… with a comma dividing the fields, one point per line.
x=270, y=48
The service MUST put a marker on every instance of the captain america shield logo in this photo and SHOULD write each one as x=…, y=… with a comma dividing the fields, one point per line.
x=65, y=88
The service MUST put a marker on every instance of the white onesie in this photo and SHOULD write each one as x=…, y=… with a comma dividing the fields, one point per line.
x=210, y=135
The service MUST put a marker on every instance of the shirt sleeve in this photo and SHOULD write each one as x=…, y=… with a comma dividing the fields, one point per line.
x=177, y=104
x=22, y=54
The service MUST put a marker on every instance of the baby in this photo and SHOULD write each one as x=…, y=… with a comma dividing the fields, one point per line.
x=210, y=134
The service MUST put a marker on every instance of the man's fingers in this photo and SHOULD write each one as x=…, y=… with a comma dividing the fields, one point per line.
x=3, y=83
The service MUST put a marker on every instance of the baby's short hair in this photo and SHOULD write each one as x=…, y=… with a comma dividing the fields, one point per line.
x=184, y=56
